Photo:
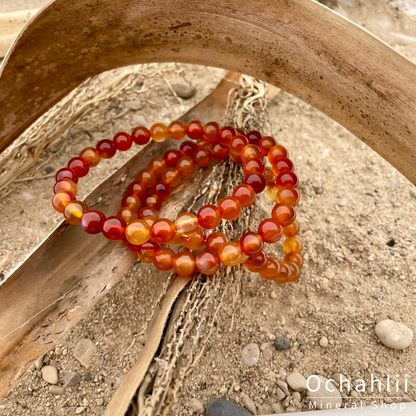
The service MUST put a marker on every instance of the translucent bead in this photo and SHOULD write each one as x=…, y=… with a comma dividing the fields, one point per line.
x=123, y=141
x=292, y=229
x=230, y=253
x=245, y=194
x=184, y=263
x=127, y=214
x=114, y=228
x=61, y=199
x=137, y=232
x=207, y=262
x=237, y=143
x=230, y=208
x=271, y=192
x=204, y=143
x=172, y=177
x=250, y=151
x=150, y=221
x=256, y=263
x=176, y=130
x=74, y=212
x=287, y=179
x=202, y=157
x=288, y=195
x=163, y=231
x=211, y=131
x=172, y=157
x=284, y=214
x=284, y=274
x=66, y=173
x=148, y=212
x=283, y=165
x=131, y=201
x=272, y=269
x=163, y=259
x=235, y=158
x=270, y=176
x=270, y=230
x=146, y=177
x=276, y=153
x=188, y=148
x=92, y=221
x=147, y=251
x=196, y=240
x=177, y=240
x=157, y=166
x=220, y=151
x=253, y=166
x=79, y=166
x=295, y=271
x=140, y=135
x=136, y=188
x=293, y=245
x=226, y=134
x=106, y=149
x=186, y=224
x=186, y=166
x=253, y=137
x=257, y=181
x=194, y=130
x=162, y=190
x=152, y=201
x=90, y=155
x=65, y=185
x=251, y=244
x=265, y=144
x=295, y=258
x=215, y=241
x=159, y=132
x=209, y=217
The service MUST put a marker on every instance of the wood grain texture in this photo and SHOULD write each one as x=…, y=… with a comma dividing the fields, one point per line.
x=297, y=45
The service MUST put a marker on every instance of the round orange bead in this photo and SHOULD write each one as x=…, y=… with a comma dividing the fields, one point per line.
x=128, y=214
x=172, y=177
x=186, y=166
x=148, y=212
x=61, y=199
x=159, y=132
x=265, y=144
x=176, y=130
x=235, y=158
x=237, y=143
x=272, y=269
x=211, y=131
x=256, y=263
x=271, y=192
x=209, y=217
x=177, y=240
x=204, y=143
x=270, y=230
x=288, y=195
x=250, y=151
x=91, y=156
x=74, y=212
x=157, y=166
x=194, y=130
x=293, y=245
x=251, y=244
x=287, y=179
x=295, y=271
x=219, y=151
x=295, y=258
x=215, y=241
x=202, y=157
x=137, y=188
x=283, y=165
x=253, y=166
x=230, y=208
x=196, y=240
x=162, y=231
x=186, y=224
x=284, y=214
x=66, y=185
x=207, y=262
x=184, y=263
x=285, y=273
x=292, y=229
x=276, y=153
x=245, y=194
x=131, y=201
x=152, y=201
x=146, y=177
x=230, y=253
x=150, y=220
x=163, y=259
x=270, y=176
x=226, y=134
x=146, y=252
x=137, y=232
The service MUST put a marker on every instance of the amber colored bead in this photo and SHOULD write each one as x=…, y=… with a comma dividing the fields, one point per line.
x=293, y=245
x=132, y=201
x=253, y=166
x=284, y=274
x=150, y=220
x=271, y=192
x=163, y=259
x=172, y=177
x=79, y=166
x=202, y=157
x=159, y=132
x=162, y=190
x=127, y=214
x=188, y=148
x=177, y=240
x=186, y=166
x=114, y=228
x=265, y=144
x=257, y=181
x=295, y=258
x=148, y=211
x=235, y=158
x=270, y=176
x=292, y=229
x=215, y=241
x=287, y=179
x=157, y=166
x=270, y=230
x=74, y=212
x=147, y=251
x=275, y=153
x=194, y=130
x=171, y=157
x=237, y=144
x=204, y=143
x=137, y=232
x=295, y=271
x=146, y=177
x=61, y=199
x=123, y=141
x=283, y=165
x=66, y=173
x=92, y=221
x=65, y=185
x=288, y=195
x=186, y=224
x=256, y=263
x=230, y=208
x=209, y=217
x=272, y=269
x=230, y=253
x=137, y=188
x=207, y=262
x=90, y=155
x=211, y=131
x=106, y=149
x=196, y=240
x=152, y=201
x=250, y=151
x=163, y=231
x=132, y=247
x=284, y=214
x=176, y=130
x=251, y=244
x=245, y=194
x=220, y=151
x=184, y=263
x=226, y=134
x=140, y=135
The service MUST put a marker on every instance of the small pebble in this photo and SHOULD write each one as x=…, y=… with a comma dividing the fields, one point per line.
x=326, y=396
x=58, y=390
x=84, y=351
x=250, y=354
x=296, y=396
x=282, y=343
x=249, y=404
x=296, y=381
x=277, y=408
x=39, y=362
x=99, y=402
x=50, y=374
x=354, y=393
x=394, y=334
x=283, y=386
x=267, y=354
x=222, y=407
x=79, y=410
x=342, y=202
x=280, y=394
x=323, y=342
x=72, y=378
x=290, y=410
x=49, y=169
x=183, y=89
x=196, y=406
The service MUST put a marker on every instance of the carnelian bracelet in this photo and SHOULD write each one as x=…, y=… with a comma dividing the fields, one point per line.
x=138, y=223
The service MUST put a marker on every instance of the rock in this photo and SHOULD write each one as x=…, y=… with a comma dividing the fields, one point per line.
x=354, y=393
x=323, y=342
x=250, y=354
x=79, y=410
x=324, y=398
x=222, y=407
x=342, y=202
x=223, y=390
x=72, y=378
x=49, y=169
x=290, y=410
x=39, y=362
x=296, y=381
x=183, y=89
x=394, y=334
x=84, y=351
x=267, y=354
x=282, y=343
x=337, y=377
x=296, y=396
x=58, y=390
x=99, y=401
x=58, y=351
x=317, y=184
x=133, y=105
x=280, y=394
x=249, y=404
x=277, y=408
x=196, y=406
x=283, y=386
x=50, y=374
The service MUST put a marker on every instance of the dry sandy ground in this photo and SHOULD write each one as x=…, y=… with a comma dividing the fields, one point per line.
x=351, y=280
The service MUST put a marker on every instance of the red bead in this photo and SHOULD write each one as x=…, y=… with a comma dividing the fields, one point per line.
x=253, y=166
x=254, y=137
x=283, y=165
x=157, y=166
x=172, y=157
x=176, y=130
x=194, y=130
x=114, y=228
x=146, y=177
x=226, y=134
x=152, y=201
x=140, y=135
x=215, y=241
x=284, y=214
x=272, y=269
x=209, y=217
x=230, y=208
x=123, y=141
x=106, y=149
x=211, y=131
x=137, y=188
x=241, y=132
x=163, y=259
x=162, y=190
x=237, y=143
x=265, y=144
x=287, y=179
x=220, y=151
x=163, y=231
x=204, y=143
x=202, y=157
x=235, y=158
x=257, y=181
x=188, y=148
x=288, y=195
x=148, y=212
x=270, y=230
x=132, y=201
x=245, y=194
x=147, y=251
x=186, y=166
x=92, y=221
x=79, y=166
x=256, y=263
x=207, y=262
x=66, y=173
x=91, y=156
x=184, y=263
x=251, y=244
x=276, y=153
